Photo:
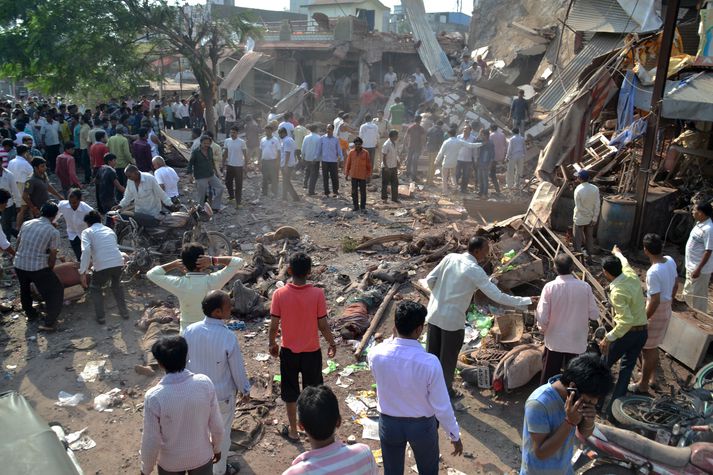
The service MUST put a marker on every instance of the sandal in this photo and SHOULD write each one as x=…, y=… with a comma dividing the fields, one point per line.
x=285, y=432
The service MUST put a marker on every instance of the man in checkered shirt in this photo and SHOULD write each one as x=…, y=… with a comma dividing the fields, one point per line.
x=35, y=258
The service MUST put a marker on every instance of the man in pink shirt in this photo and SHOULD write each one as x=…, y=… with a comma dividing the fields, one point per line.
x=563, y=313
x=318, y=413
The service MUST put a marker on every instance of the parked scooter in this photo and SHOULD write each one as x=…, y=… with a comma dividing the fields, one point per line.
x=612, y=451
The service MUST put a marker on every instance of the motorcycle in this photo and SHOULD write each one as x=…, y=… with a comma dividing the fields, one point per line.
x=166, y=240
x=613, y=451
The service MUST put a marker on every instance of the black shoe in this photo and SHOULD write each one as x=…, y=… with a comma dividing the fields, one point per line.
x=355, y=209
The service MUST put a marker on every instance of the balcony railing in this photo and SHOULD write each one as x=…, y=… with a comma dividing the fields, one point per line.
x=308, y=30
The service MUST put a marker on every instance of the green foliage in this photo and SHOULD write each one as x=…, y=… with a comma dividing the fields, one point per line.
x=72, y=45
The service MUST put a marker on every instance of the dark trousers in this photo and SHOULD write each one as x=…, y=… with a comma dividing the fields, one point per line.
x=49, y=287
x=238, y=108
x=206, y=469
x=553, y=363
x=627, y=349
x=234, y=182
x=86, y=165
x=270, y=170
x=412, y=162
x=330, y=170
x=463, y=174
x=96, y=291
x=51, y=152
x=76, y=244
x=359, y=193
x=422, y=435
x=311, y=175
x=483, y=172
x=372, y=155
x=390, y=179
x=287, y=187
x=9, y=217
x=121, y=176
x=221, y=123
x=446, y=346
x=494, y=177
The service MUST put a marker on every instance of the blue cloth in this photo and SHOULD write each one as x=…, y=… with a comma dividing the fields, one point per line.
x=631, y=133
x=329, y=150
x=627, y=97
x=544, y=413
x=422, y=435
x=76, y=131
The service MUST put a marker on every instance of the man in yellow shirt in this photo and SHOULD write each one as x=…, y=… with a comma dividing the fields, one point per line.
x=626, y=340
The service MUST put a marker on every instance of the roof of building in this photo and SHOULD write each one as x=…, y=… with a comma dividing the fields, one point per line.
x=224, y=11
x=603, y=16
x=342, y=2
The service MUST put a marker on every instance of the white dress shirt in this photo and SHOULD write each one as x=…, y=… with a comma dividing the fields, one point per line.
x=100, y=249
x=214, y=350
x=183, y=427
x=466, y=154
x=220, y=107
x=451, y=149
x=8, y=183
x=236, y=149
x=269, y=148
x=390, y=154
x=287, y=152
x=74, y=217
x=310, y=147
x=167, y=177
x=21, y=168
x=453, y=282
x=410, y=383
x=369, y=133
x=586, y=204
x=147, y=198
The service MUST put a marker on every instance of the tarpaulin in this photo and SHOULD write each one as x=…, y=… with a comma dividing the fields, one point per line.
x=240, y=70
x=625, y=107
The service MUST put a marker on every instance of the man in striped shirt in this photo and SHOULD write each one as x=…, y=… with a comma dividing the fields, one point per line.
x=183, y=430
x=214, y=350
x=318, y=414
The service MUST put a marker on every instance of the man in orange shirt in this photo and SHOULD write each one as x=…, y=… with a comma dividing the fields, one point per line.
x=358, y=167
x=97, y=152
x=300, y=311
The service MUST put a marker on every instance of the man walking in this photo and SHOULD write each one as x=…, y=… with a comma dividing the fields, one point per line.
x=330, y=154
x=452, y=283
x=101, y=251
x=448, y=156
x=390, y=168
x=213, y=350
x=202, y=167
x=183, y=430
x=66, y=170
x=369, y=133
x=586, y=213
x=414, y=140
x=699, y=264
x=500, y=143
x=358, y=168
x=519, y=111
x=234, y=152
x=515, y=158
x=412, y=397
x=49, y=136
x=565, y=308
x=626, y=340
x=466, y=159
x=288, y=161
x=310, y=147
x=37, y=245
x=486, y=160
x=661, y=288
x=270, y=162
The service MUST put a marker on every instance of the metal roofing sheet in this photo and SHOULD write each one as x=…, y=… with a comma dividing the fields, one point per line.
x=603, y=16
x=430, y=51
x=565, y=80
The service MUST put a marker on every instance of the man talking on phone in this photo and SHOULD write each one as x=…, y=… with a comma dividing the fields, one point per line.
x=555, y=411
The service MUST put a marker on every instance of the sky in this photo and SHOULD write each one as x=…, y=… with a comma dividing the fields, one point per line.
x=431, y=5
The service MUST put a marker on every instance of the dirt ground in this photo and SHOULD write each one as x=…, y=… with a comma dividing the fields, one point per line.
x=45, y=364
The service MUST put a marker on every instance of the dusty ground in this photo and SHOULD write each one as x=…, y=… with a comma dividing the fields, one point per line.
x=48, y=364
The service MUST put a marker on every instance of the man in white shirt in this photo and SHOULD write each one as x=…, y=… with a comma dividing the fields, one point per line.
x=270, y=161
x=276, y=92
x=390, y=168
x=586, y=213
x=228, y=115
x=8, y=182
x=143, y=190
x=466, y=159
x=184, y=112
x=448, y=157
x=390, y=78
x=310, y=147
x=661, y=288
x=287, y=163
x=213, y=350
x=166, y=177
x=369, y=133
x=419, y=79
x=198, y=280
x=699, y=264
x=452, y=283
x=5, y=197
x=515, y=158
x=412, y=396
x=175, y=107
x=287, y=124
x=101, y=251
x=234, y=151
x=21, y=167
x=222, y=120
x=73, y=209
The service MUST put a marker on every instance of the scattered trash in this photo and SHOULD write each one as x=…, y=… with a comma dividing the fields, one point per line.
x=250, y=335
x=331, y=367
x=453, y=471
x=353, y=368
x=236, y=325
x=351, y=440
x=377, y=456
x=104, y=401
x=83, y=344
x=371, y=428
x=362, y=402
x=67, y=399
x=80, y=441
x=277, y=378
x=92, y=370
x=11, y=366
x=344, y=382
x=262, y=357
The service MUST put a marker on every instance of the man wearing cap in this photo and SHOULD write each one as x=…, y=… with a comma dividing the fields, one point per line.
x=586, y=212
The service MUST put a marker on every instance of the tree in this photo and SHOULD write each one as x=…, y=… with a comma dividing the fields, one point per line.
x=65, y=46
x=193, y=33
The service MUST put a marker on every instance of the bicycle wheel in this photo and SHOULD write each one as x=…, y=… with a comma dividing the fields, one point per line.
x=609, y=469
x=644, y=412
x=217, y=244
x=704, y=378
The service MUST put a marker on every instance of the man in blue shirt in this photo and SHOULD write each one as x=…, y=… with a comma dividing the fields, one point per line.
x=555, y=410
x=330, y=153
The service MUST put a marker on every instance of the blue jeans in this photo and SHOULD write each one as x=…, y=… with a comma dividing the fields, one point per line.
x=626, y=348
x=420, y=432
x=483, y=174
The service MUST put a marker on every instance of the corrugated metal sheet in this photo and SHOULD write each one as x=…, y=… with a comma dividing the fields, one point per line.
x=603, y=16
x=565, y=80
x=689, y=36
x=431, y=54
